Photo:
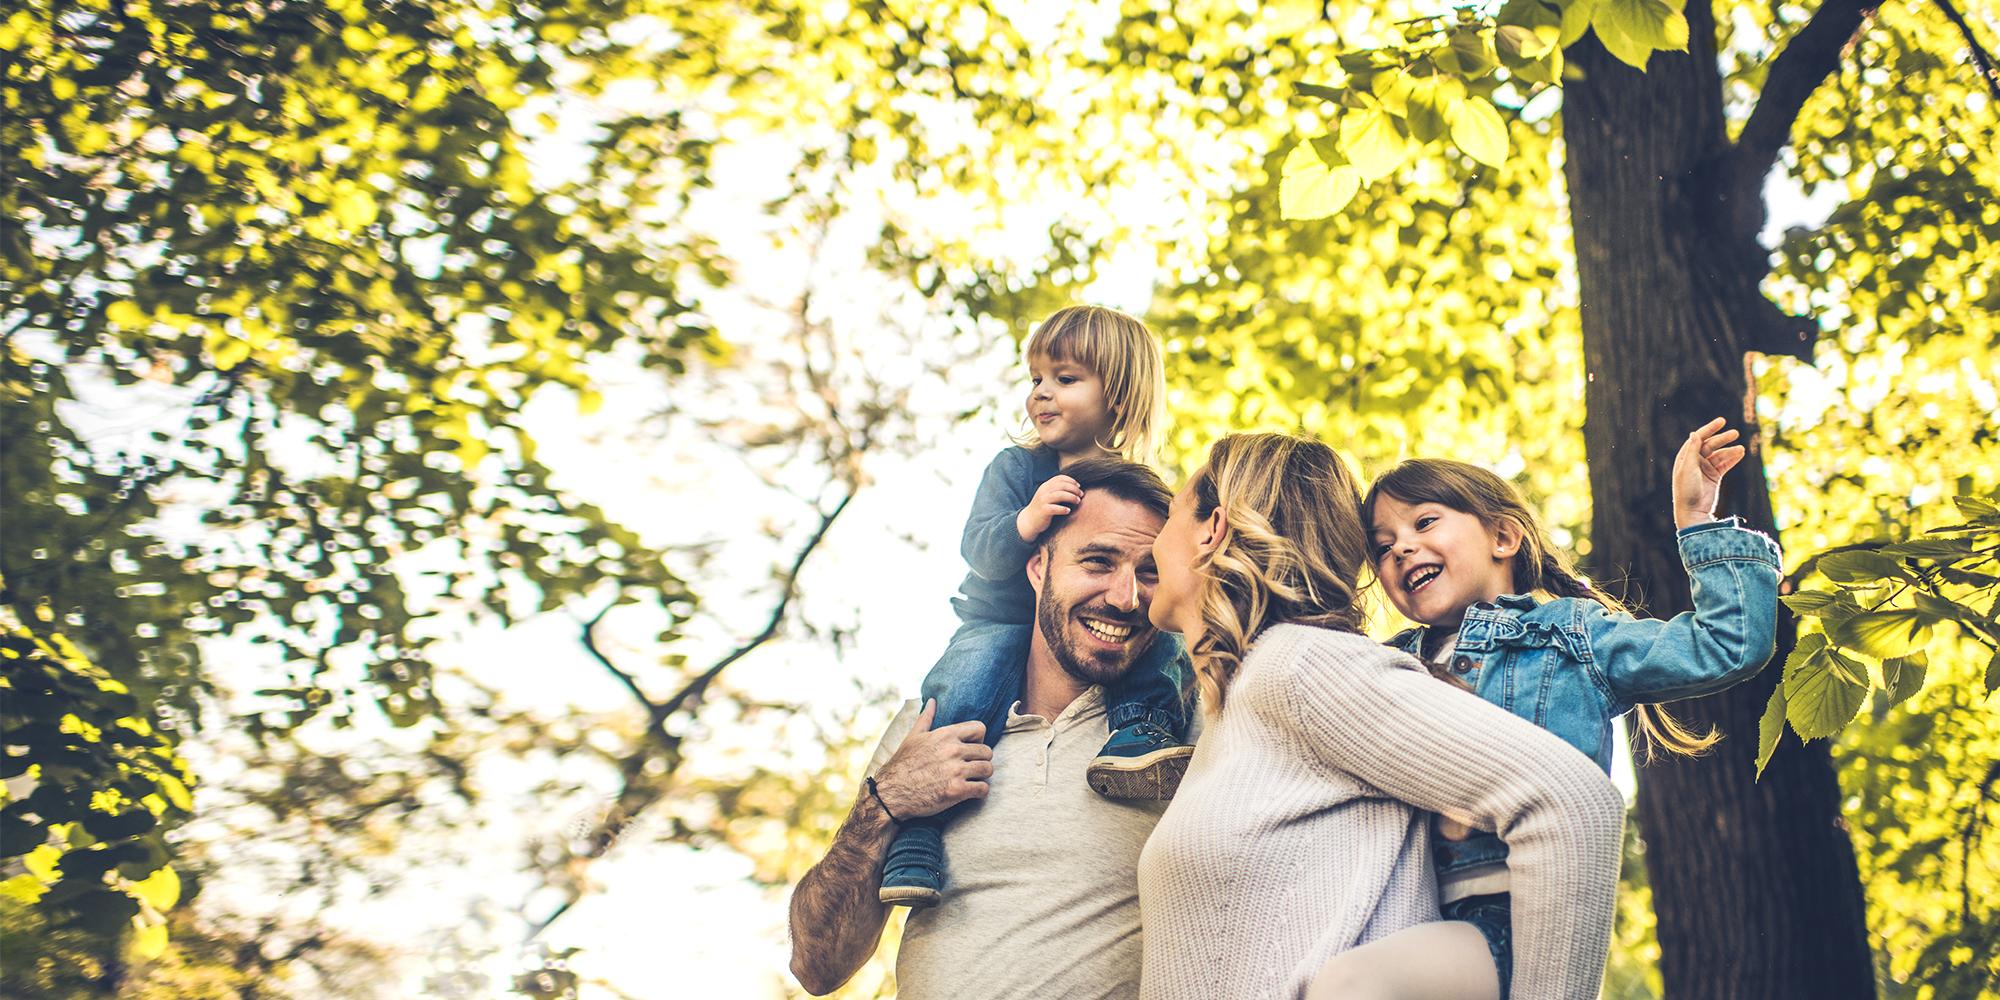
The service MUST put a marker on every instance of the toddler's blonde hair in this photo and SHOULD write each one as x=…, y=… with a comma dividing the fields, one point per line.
x=1125, y=356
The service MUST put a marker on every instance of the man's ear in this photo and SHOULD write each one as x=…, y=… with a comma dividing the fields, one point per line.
x=1506, y=540
x=1037, y=566
x=1213, y=532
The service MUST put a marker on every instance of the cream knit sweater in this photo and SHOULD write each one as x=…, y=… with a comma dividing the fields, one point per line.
x=1298, y=832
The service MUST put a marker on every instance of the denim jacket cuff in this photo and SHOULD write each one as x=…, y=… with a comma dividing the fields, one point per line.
x=1723, y=540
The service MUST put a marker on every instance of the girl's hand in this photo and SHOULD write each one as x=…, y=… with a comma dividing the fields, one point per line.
x=1057, y=497
x=1698, y=469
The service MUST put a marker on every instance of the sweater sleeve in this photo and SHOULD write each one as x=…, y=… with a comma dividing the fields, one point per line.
x=1372, y=712
x=992, y=545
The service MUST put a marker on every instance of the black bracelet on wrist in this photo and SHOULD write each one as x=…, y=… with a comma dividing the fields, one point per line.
x=876, y=794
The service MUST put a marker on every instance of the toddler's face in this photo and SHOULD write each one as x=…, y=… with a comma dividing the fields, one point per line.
x=1066, y=405
x=1434, y=561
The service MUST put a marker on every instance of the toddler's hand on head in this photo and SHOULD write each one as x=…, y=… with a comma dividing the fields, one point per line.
x=1057, y=497
x=1704, y=458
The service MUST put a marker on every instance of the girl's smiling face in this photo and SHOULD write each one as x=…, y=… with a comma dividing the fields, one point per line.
x=1434, y=562
x=1066, y=405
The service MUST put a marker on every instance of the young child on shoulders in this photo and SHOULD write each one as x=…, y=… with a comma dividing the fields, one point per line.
x=1501, y=613
x=1096, y=389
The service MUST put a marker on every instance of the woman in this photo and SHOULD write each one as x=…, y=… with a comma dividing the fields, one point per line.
x=1299, y=831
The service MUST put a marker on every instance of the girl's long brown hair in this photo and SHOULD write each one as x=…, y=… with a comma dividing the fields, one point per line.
x=1292, y=553
x=1538, y=566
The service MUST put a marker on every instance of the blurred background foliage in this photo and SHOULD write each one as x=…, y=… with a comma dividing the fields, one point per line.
x=294, y=290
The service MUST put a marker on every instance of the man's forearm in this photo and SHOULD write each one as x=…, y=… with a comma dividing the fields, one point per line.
x=836, y=917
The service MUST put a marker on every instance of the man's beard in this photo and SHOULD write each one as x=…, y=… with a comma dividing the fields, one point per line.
x=1091, y=666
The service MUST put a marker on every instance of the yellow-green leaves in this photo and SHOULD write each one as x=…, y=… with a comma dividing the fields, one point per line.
x=1632, y=30
x=1432, y=103
x=1823, y=688
x=1310, y=188
x=1886, y=634
x=1478, y=130
x=1372, y=139
x=1872, y=629
x=160, y=890
x=1394, y=99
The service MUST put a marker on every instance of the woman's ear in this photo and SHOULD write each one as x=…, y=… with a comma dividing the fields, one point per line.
x=1214, y=531
x=1506, y=540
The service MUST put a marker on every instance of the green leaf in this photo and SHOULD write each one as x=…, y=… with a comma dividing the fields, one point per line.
x=1977, y=508
x=1529, y=14
x=1472, y=53
x=127, y=314
x=150, y=941
x=1770, y=727
x=1320, y=91
x=1820, y=695
x=1433, y=102
x=1993, y=672
x=1903, y=676
x=1372, y=142
x=1517, y=44
x=1944, y=549
x=1576, y=20
x=1392, y=88
x=1309, y=189
x=23, y=889
x=1809, y=602
x=1885, y=634
x=160, y=890
x=1859, y=566
x=1632, y=30
x=1479, y=130
x=1547, y=69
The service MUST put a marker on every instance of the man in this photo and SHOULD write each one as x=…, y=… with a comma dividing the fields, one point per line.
x=1044, y=896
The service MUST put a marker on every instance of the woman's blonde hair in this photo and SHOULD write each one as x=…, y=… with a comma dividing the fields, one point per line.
x=1125, y=356
x=1292, y=551
x=1538, y=567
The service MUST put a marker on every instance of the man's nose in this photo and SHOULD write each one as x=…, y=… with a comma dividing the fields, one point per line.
x=1124, y=593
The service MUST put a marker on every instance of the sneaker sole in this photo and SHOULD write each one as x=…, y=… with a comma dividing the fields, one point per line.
x=1156, y=775
x=913, y=896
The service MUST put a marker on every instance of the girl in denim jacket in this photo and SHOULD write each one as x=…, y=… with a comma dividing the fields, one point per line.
x=1459, y=553
x=1095, y=390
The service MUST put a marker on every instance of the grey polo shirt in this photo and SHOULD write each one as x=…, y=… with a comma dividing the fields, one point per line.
x=1041, y=882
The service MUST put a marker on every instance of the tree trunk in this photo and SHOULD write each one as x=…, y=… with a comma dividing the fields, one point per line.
x=1754, y=882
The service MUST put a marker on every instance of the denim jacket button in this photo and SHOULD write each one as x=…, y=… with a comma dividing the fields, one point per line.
x=1461, y=664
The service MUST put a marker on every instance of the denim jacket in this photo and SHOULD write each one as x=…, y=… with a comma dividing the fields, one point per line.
x=1570, y=666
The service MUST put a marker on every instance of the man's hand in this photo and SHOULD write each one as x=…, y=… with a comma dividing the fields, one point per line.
x=1057, y=497
x=935, y=769
x=1698, y=470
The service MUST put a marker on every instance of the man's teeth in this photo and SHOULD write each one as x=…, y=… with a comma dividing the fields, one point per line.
x=1420, y=577
x=1107, y=631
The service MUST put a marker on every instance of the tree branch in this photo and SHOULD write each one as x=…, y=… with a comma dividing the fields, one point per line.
x=1796, y=72
x=1982, y=60
x=700, y=683
x=655, y=715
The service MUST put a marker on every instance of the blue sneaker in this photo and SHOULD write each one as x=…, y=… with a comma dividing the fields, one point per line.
x=1141, y=760
x=913, y=873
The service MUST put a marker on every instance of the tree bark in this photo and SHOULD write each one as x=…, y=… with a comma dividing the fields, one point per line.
x=1754, y=882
